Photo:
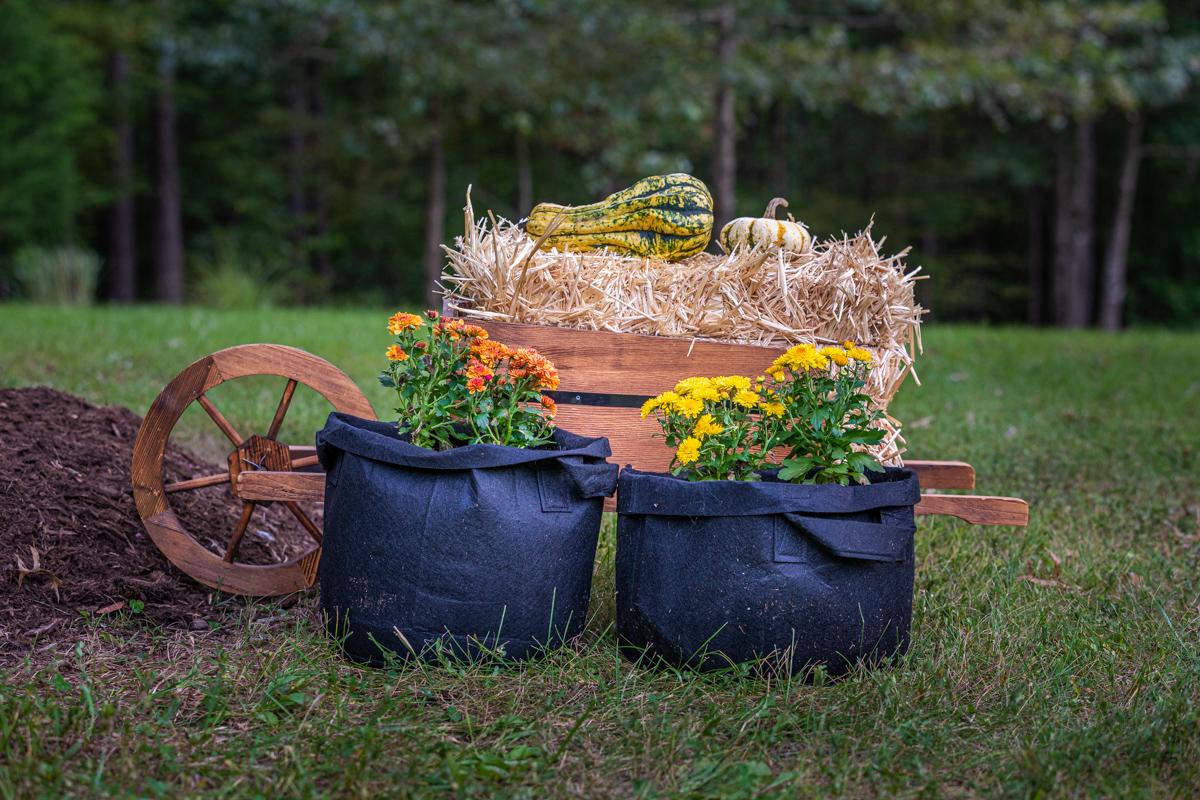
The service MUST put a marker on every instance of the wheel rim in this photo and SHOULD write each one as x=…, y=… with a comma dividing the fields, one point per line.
x=260, y=451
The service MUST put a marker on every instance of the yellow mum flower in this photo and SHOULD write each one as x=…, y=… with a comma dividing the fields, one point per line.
x=776, y=372
x=804, y=357
x=706, y=426
x=773, y=409
x=689, y=407
x=859, y=354
x=746, y=398
x=690, y=385
x=649, y=406
x=735, y=382
x=836, y=354
x=705, y=393
x=667, y=401
x=396, y=353
x=689, y=451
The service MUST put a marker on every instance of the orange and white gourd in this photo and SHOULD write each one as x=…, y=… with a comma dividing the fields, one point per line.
x=748, y=232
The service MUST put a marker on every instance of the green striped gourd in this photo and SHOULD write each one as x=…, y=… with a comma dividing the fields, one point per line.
x=667, y=217
x=787, y=235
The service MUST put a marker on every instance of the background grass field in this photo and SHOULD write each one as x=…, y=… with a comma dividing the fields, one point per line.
x=1025, y=678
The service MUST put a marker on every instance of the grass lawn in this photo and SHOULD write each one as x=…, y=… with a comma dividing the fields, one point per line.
x=1084, y=680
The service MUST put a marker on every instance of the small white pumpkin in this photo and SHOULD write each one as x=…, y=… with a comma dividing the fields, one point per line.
x=788, y=234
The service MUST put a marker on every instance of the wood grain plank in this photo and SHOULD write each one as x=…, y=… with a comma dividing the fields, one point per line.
x=630, y=363
x=943, y=474
x=281, y=486
x=976, y=509
x=632, y=438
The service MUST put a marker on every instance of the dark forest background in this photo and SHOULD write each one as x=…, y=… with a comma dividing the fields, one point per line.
x=1040, y=158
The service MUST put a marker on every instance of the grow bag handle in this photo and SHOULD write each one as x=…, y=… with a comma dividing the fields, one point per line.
x=863, y=541
x=591, y=479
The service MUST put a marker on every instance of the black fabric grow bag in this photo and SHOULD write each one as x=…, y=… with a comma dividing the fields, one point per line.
x=714, y=572
x=479, y=545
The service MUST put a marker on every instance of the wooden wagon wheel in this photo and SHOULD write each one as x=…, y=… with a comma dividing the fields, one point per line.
x=255, y=452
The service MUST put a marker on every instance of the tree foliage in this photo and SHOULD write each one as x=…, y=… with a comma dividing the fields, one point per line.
x=306, y=128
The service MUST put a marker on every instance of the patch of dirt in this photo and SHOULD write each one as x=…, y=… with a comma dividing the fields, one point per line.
x=71, y=540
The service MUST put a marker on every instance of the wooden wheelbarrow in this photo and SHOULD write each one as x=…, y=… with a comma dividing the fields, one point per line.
x=605, y=377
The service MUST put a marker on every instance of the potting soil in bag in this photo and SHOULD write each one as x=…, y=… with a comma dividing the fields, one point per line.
x=714, y=572
x=478, y=547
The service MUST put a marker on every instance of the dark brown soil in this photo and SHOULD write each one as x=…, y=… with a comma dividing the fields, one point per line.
x=71, y=542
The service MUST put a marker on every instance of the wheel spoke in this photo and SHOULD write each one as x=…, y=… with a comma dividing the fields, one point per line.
x=282, y=409
x=197, y=483
x=219, y=418
x=305, y=461
x=308, y=524
x=239, y=532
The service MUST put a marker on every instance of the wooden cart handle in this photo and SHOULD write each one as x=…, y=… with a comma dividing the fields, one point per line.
x=976, y=509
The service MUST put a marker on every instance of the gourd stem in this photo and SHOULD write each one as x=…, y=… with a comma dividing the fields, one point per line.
x=775, y=203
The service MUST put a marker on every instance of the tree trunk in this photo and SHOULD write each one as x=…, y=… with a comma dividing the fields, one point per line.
x=725, y=125
x=1112, y=302
x=435, y=210
x=297, y=100
x=524, y=174
x=1062, y=229
x=320, y=223
x=169, y=271
x=930, y=235
x=1083, y=227
x=122, y=233
x=1035, y=306
x=781, y=150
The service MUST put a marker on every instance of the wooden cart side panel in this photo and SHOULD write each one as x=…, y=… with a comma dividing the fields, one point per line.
x=630, y=363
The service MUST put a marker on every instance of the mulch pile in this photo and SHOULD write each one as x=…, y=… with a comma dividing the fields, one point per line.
x=70, y=537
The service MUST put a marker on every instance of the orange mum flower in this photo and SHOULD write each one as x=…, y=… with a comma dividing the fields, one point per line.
x=400, y=322
x=396, y=353
x=476, y=385
x=525, y=361
x=489, y=351
x=477, y=369
x=474, y=331
x=550, y=405
x=448, y=327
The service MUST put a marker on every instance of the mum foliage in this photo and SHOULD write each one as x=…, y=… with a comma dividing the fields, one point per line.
x=457, y=386
x=809, y=402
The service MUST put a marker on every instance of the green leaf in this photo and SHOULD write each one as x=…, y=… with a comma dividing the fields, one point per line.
x=794, y=469
x=874, y=436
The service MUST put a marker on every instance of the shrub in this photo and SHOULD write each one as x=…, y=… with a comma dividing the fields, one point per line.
x=61, y=275
x=232, y=279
